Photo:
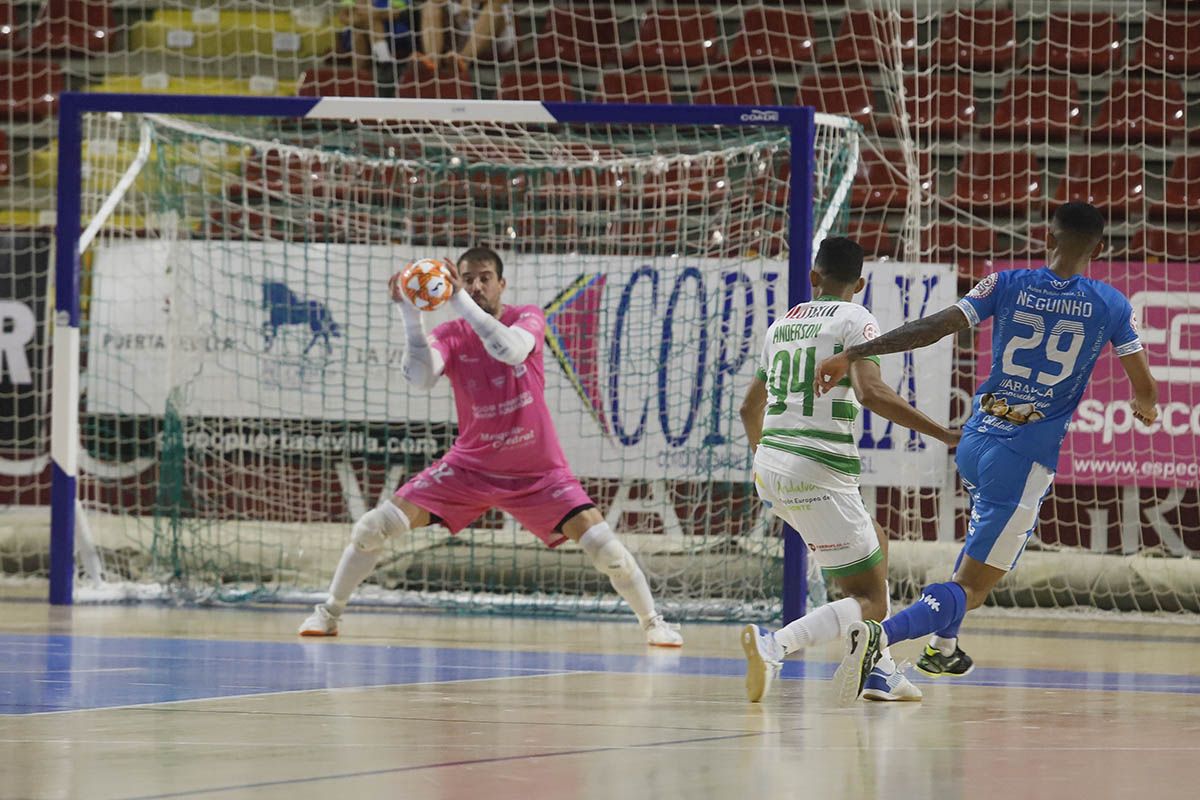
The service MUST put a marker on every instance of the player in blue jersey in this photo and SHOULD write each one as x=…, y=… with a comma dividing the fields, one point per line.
x=1051, y=325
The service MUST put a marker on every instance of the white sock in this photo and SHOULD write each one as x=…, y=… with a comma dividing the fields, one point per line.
x=947, y=646
x=627, y=578
x=357, y=564
x=383, y=53
x=824, y=624
x=354, y=568
x=885, y=651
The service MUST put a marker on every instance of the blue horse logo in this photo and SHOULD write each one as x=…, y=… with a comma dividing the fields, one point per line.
x=287, y=309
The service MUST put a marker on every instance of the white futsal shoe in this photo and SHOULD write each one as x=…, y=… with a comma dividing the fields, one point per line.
x=321, y=623
x=891, y=686
x=660, y=633
x=764, y=660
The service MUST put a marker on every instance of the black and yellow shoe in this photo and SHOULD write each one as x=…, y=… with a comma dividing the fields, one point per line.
x=935, y=663
x=864, y=641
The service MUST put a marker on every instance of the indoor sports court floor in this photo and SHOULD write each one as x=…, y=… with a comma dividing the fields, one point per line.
x=153, y=702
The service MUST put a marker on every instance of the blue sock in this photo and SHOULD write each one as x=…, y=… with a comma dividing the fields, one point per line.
x=951, y=631
x=941, y=606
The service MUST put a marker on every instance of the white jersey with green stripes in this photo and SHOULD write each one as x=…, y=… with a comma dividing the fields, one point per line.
x=801, y=430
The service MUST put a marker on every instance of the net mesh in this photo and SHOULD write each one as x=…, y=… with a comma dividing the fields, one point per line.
x=241, y=384
x=978, y=122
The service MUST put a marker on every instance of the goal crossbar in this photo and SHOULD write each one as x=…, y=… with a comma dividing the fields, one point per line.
x=798, y=121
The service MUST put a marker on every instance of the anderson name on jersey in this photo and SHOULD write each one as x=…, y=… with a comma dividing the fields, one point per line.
x=799, y=428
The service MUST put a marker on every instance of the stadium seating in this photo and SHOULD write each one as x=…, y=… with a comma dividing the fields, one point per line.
x=773, y=36
x=1170, y=44
x=1037, y=109
x=845, y=95
x=635, y=86
x=543, y=233
x=73, y=27
x=877, y=185
x=860, y=40
x=165, y=84
x=9, y=35
x=1160, y=244
x=976, y=40
x=874, y=238
x=743, y=237
x=1113, y=182
x=719, y=89
x=1079, y=43
x=1003, y=182
x=1154, y=112
x=536, y=86
x=972, y=247
x=683, y=37
x=417, y=81
x=579, y=34
x=940, y=106
x=1181, y=191
x=228, y=33
x=336, y=82
x=5, y=158
x=29, y=89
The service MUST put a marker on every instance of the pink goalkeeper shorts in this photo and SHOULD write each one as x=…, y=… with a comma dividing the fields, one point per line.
x=460, y=496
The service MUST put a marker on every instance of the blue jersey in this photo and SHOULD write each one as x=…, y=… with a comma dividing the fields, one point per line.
x=1046, y=339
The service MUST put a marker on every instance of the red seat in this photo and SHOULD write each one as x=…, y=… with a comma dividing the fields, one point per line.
x=331, y=82
x=1031, y=245
x=81, y=27
x=864, y=37
x=976, y=40
x=1181, y=191
x=880, y=182
x=940, y=106
x=745, y=90
x=971, y=247
x=773, y=36
x=238, y=223
x=1113, y=182
x=680, y=37
x=579, y=34
x=646, y=235
x=543, y=233
x=1170, y=44
x=625, y=86
x=418, y=81
x=9, y=39
x=874, y=238
x=1141, y=111
x=847, y=96
x=1037, y=109
x=1001, y=181
x=29, y=89
x=551, y=88
x=746, y=237
x=1079, y=43
x=1160, y=244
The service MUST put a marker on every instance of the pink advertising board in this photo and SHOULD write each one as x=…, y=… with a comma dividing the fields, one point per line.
x=1105, y=445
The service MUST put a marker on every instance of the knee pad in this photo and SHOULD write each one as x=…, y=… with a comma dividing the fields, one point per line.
x=615, y=561
x=374, y=527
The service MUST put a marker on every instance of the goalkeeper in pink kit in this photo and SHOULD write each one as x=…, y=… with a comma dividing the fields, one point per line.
x=506, y=455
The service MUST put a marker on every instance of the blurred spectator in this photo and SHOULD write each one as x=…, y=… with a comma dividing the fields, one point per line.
x=464, y=31
x=379, y=29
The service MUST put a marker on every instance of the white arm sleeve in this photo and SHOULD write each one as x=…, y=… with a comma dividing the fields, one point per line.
x=422, y=365
x=507, y=344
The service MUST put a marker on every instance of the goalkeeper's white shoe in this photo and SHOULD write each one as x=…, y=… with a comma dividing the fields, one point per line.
x=660, y=633
x=321, y=623
x=764, y=660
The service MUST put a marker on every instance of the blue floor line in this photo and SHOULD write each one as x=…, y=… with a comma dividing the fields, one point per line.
x=40, y=673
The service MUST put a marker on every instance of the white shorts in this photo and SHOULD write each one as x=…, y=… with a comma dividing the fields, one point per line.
x=834, y=524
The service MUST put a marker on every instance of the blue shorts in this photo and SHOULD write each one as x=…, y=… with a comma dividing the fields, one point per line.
x=1006, y=491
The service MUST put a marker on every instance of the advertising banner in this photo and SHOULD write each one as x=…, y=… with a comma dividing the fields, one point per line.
x=23, y=302
x=647, y=359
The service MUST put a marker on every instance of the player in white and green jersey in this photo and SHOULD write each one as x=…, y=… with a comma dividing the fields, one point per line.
x=806, y=464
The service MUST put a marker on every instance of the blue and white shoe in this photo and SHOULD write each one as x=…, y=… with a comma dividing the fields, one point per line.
x=764, y=660
x=890, y=687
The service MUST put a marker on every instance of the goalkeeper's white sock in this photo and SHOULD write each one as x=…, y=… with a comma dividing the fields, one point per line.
x=821, y=625
x=611, y=558
x=362, y=554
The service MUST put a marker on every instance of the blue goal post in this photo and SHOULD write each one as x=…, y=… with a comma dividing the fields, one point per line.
x=799, y=122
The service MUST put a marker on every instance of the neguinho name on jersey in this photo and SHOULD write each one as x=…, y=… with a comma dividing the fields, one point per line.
x=794, y=332
x=1110, y=419
x=1055, y=305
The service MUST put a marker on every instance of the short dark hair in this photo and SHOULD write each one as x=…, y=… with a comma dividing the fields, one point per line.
x=484, y=254
x=1080, y=221
x=840, y=259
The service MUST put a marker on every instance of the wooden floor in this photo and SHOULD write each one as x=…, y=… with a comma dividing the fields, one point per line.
x=148, y=702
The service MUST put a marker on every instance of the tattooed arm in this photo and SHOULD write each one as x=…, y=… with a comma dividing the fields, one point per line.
x=909, y=336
